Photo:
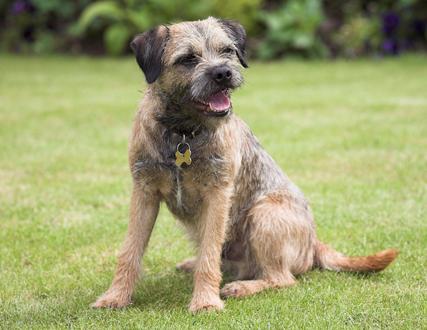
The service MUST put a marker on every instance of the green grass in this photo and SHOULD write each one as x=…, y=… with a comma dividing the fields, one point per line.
x=352, y=135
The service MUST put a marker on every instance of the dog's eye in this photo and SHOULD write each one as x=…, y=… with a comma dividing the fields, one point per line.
x=227, y=50
x=189, y=59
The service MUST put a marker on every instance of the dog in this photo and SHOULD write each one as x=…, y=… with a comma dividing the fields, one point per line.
x=190, y=150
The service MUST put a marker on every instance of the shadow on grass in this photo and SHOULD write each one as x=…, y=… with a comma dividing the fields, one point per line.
x=370, y=276
x=363, y=276
x=171, y=291
x=168, y=291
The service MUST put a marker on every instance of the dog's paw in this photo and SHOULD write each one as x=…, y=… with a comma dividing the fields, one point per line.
x=211, y=303
x=234, y=289
x=187, y=265
x=112, y=299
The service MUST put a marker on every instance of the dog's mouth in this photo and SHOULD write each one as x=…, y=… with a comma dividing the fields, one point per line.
x=218, y=104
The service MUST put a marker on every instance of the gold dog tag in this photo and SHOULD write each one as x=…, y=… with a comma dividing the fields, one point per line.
x=182, y=154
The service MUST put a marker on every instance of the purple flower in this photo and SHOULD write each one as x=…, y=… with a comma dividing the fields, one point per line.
x=18, y=7
x=390, y=23
x=390, y=47
x=419, y=27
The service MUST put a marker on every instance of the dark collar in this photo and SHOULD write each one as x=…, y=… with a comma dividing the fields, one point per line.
x=189, y=134
x=176, y=122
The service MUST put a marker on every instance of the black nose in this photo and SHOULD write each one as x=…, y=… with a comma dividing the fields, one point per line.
x=221, y=74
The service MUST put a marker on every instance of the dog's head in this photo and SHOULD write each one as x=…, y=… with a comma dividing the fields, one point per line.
x=195, y=65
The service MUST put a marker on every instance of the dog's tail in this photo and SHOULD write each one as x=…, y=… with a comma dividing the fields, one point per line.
x=328, y=258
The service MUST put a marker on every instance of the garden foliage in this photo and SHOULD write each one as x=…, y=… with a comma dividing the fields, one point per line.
x=308, y=28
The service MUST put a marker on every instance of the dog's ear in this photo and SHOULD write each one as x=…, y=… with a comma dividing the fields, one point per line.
x=237, y=33
x=148, y=48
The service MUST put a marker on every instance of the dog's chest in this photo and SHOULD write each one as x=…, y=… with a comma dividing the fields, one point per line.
x=188, y=186
x=184, y=188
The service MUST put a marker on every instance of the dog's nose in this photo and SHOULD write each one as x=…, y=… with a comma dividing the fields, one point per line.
x=221, y=74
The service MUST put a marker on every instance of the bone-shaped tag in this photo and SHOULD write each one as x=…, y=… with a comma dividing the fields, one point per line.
x=181, y=158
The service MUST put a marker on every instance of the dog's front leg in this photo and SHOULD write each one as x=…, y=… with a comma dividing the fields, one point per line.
x=143, y=212
x=207, y=272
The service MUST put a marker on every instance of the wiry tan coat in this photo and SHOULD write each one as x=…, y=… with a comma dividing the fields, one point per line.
x=240, y=209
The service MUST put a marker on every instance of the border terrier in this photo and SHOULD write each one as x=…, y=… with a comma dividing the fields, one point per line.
x=190, y=150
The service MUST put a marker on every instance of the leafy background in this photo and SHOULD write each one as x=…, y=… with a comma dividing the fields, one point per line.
x=276, y=28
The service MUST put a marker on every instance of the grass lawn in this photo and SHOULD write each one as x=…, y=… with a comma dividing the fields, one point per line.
x=352, y=135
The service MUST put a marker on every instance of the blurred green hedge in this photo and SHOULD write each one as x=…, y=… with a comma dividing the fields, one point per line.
x=307, y=28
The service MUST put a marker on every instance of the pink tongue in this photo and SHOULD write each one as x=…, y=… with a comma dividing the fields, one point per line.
x=219, y=102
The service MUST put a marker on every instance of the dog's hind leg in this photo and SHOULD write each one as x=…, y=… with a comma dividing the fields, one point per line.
x=187, y=265
x=246, y=288
x=281, y=243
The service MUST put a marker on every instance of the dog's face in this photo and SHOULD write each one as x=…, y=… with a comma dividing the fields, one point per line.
x=195, y=65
